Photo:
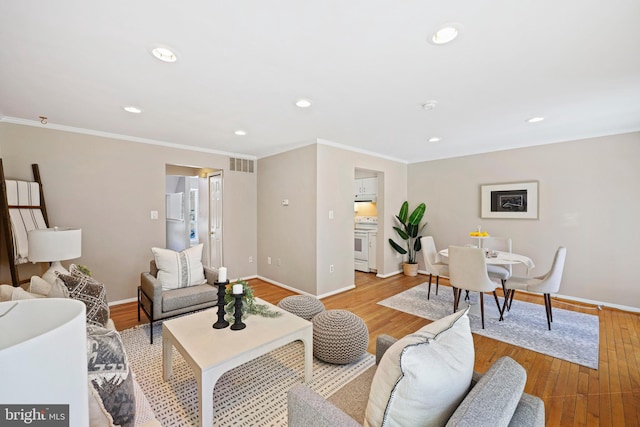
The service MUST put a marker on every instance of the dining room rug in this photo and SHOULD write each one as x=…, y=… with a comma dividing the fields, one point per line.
x=573, y=336
x=252, y=394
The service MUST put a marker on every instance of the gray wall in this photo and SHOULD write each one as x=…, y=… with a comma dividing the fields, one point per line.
x=108, y=187
x=287, y=234
x=316, y=179
x=588, y=202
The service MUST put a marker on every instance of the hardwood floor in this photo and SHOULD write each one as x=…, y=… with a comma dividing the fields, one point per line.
x=573, y=395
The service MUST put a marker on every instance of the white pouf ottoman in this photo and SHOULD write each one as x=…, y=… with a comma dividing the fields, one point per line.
x=339, y=337
x=304, y=306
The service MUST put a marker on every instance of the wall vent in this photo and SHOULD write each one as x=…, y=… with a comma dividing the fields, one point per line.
x=241, y=165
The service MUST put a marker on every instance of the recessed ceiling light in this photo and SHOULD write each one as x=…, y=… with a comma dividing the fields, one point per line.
x=434, y=139
x=164, y=54
x=240, y=132
x=133, y=109
x=535, y=119
x=429, y=105
x=303, y=103
x=446, y=33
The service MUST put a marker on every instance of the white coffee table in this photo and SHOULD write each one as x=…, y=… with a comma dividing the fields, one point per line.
x=212, y=352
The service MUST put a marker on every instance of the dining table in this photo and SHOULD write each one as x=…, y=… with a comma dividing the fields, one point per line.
x=494, y=258
x=498, y=258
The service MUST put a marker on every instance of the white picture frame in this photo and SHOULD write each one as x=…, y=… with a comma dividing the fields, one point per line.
x=517, y=200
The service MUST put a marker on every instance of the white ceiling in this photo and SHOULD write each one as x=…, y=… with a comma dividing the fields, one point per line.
x=366, y=65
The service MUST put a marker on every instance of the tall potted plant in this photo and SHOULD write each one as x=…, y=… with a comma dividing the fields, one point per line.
x=411, y=232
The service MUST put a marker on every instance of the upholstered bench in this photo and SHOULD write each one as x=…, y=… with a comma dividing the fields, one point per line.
x=339, y=336
x=305, y=306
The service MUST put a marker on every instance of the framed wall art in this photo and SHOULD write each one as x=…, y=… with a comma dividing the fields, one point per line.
x=518, y=200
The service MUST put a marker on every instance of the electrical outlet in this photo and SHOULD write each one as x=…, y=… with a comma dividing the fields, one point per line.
x=330, y=214
x=154, y=214
x=250, y=259
x=269, y=260
x=331, y=269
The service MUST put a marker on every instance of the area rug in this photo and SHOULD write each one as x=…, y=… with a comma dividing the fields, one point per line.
x=253, y=394
x=573, y=336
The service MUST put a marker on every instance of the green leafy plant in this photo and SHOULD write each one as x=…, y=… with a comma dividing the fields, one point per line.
x=411, y=232
x=84, y=269
x=249, y=305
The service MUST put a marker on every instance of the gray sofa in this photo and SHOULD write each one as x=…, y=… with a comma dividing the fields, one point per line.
x=159, y=304
x=494, y=399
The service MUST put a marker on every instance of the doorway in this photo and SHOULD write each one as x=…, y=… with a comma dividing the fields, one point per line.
x=368, y=208
x=193, y=206
x=215, y=220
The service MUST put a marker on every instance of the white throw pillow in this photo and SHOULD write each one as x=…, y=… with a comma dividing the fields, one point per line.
x=51, y=276
x=19, y=294
x=6, y=291
x=423, y=377
x=179, y=269
x=39, y=286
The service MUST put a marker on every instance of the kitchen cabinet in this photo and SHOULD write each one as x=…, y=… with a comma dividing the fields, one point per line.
x=366, y=186
x=372, y=251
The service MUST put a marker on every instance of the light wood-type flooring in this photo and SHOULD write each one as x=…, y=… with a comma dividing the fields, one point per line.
x=573, y=395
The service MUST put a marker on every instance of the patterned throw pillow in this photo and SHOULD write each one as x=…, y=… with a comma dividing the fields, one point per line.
x=110, y=375
x=179, y=269
x=91, y=292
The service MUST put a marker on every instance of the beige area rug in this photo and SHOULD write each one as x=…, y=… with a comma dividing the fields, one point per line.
x=253, y=394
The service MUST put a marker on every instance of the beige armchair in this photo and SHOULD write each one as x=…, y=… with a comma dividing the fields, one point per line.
x=160, y=304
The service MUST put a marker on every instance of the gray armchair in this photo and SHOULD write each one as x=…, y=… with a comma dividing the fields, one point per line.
x=159, y=304
x=494, y=399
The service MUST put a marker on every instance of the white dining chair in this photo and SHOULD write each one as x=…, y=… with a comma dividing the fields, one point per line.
x=468, y=271
x=431, y=264
x=499, y=272
x=546, y=284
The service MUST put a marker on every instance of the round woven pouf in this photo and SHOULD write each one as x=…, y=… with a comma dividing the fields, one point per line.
x=339, y=337
x=304, y=306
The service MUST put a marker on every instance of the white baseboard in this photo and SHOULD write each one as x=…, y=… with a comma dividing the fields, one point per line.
x=598, y=304
x=282, y=285
x=384, y=276
x=337, y=291
x=123, y=301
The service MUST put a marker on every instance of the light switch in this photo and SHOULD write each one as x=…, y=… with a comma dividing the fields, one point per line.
x=330, y=214
x=154, y=214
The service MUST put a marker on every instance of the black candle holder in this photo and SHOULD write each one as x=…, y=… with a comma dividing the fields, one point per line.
x=221, y=323
x=237, y=324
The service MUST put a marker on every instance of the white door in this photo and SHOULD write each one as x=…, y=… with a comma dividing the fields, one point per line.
x=215, y=220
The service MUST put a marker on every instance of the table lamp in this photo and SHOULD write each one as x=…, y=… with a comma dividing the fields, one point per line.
x=54, y=245
x=43, y=352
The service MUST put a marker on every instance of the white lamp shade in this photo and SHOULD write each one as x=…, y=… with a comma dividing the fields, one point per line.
x=54, y=244
x=43, y=351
